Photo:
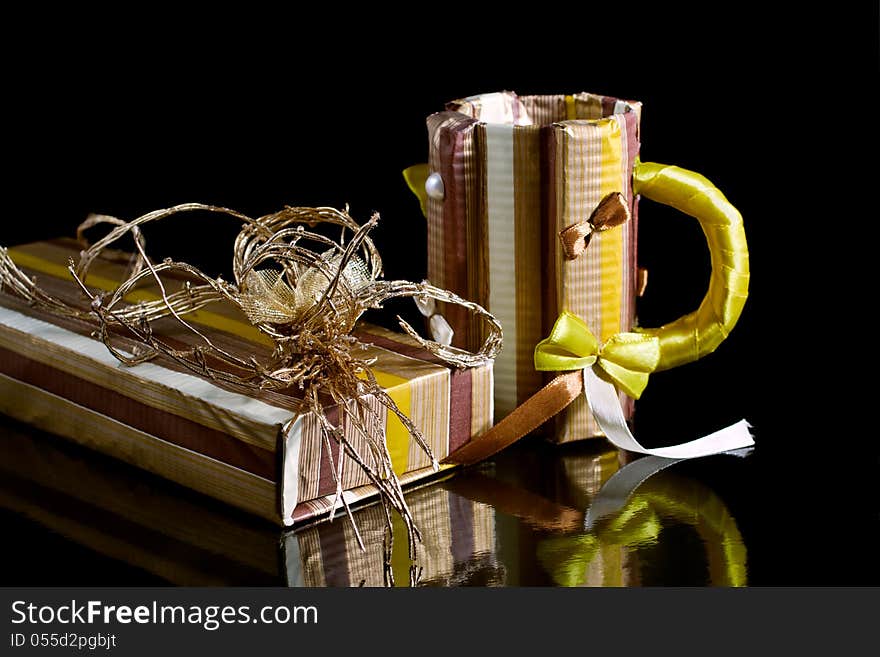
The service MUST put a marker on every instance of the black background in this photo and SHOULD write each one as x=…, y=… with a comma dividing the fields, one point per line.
x=774, y=109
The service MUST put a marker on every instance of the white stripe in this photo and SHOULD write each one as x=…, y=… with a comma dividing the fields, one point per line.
x=502, y=257
x=187, y=384
x=290, y=470
x=293, y=562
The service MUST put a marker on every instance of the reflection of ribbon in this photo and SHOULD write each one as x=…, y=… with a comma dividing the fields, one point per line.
x=632, y=520
x=625, y=359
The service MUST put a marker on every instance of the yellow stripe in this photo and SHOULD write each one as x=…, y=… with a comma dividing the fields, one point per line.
x=611, y=242
x=400, y=561
x=396, y=435
x=570, y=108
x=203, y=317
x=397, y=387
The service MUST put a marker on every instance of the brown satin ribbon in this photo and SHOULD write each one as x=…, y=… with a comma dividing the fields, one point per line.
x=641, y=281
x=612, y=211
x=537, y=511
x=527, y=417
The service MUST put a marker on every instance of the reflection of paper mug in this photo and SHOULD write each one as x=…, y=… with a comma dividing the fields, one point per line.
x=628, y=513
x=506, y=175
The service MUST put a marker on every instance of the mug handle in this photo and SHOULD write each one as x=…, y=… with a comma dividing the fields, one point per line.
x=693, y=336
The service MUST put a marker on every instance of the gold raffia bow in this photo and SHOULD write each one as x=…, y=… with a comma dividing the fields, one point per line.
x=626, y=359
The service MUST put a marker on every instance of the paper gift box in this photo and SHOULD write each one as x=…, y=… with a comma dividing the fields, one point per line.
x=510, y=172
x=187, y=539
x=195, y=431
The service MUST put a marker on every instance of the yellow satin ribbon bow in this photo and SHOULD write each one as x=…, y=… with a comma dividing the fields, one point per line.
x=625, y=359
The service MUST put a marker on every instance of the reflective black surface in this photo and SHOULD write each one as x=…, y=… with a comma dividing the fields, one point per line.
x=536, y=515
x=763, y=110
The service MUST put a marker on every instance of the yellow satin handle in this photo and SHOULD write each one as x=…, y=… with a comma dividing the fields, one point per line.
x=700, y=332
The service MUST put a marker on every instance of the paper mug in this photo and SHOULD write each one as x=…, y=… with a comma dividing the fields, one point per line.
x=511, y=193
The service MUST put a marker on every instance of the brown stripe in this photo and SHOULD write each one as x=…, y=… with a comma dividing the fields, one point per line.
x=461, y=522
x=334, y=553
x=166, y=426
x=454, y=229
x=459, y=408
x=477, y=233
x=326, y=471
x=608, y=106
x=631, y=121
x=527, y=233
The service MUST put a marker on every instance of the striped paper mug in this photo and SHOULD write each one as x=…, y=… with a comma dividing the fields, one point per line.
x=507, y=175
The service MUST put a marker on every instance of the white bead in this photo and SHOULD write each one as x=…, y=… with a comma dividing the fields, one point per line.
x=434, y=187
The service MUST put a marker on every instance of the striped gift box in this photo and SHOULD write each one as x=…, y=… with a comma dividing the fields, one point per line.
x=516, y=170
x=197, y=432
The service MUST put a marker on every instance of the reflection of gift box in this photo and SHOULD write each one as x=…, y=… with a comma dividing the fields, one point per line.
x=457, y=547
x=515, y=171
x=197, y=432
x=130, y=516
x=186, y=539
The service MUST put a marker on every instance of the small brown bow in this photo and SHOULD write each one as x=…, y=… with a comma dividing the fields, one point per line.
x=612, y=211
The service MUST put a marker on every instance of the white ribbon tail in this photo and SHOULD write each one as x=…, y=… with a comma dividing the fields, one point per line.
x=605, y=404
